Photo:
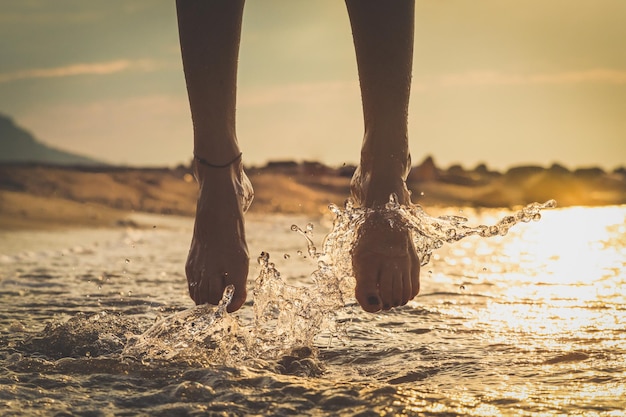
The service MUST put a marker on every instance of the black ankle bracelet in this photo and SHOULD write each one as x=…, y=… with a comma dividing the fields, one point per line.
x=208, y=164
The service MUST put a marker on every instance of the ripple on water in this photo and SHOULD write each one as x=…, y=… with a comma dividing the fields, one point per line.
x=286, y=317
x=307, y=348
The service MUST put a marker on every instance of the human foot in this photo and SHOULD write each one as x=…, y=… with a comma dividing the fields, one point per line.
x=218, y=255
x=384, y=259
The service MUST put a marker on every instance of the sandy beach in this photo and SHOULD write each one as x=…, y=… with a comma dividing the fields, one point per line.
x=40, y=196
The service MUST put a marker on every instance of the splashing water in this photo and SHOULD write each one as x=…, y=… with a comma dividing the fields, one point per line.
x=286, y=317
x=300, y=314
x=532, y=311
x=203, y=334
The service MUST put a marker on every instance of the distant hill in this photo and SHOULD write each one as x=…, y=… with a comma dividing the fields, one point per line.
x=19, y=145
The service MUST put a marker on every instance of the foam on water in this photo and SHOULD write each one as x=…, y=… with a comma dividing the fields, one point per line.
x=287, y=317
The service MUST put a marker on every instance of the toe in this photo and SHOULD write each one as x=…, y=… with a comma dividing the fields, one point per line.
x=415, y=280
x=398, y=290
x=194, y=293
x=386, y=285
x=199, y=292
x=369, y=302
x=407, y=285
x=198, y=287
x=366, y=291
x=414, y=271
x=215, y=290
x=238, y=299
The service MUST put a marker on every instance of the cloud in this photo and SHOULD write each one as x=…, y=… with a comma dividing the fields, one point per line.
x=36, y=15
x=331, y=91
x=97, y=68
x=472, y=78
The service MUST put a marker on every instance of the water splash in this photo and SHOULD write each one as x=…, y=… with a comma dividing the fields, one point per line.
x=431, y=233
x=203, y=334
x=286, y=317
x=428, y=233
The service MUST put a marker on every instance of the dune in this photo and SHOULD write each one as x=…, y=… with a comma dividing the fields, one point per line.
x=35, y=196
x=43, y=196
x=19, y=211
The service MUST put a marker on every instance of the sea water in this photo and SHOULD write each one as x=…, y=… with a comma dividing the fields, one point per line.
x=529, y=322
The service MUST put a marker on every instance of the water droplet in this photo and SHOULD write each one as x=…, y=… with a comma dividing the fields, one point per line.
x=297, y=311
x=537, y=217
x=127, y=260
x=263, y=258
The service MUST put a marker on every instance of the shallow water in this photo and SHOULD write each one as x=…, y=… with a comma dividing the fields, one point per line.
x=98, y=322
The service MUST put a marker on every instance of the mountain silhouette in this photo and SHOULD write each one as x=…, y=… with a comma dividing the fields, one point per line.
x=19, y=145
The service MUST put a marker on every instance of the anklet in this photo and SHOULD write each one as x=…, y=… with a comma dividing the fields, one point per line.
x=208, y=164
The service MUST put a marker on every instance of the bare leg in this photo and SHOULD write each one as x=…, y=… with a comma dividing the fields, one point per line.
x=209, y=37
x=384, y=259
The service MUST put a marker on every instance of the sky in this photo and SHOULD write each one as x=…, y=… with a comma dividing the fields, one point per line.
x=504, y=83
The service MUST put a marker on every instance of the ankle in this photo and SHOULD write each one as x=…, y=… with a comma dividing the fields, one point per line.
x=386, y=154
x=373, y=188
x=224, y=182
x=209, y=164
x=217, y=148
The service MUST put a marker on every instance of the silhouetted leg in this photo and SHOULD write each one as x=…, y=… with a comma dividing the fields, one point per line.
x=209, y=38
x=384, y=259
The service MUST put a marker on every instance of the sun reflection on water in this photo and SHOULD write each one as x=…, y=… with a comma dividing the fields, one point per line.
x=555, y=290
x=561, y=272
x=570, y=246
x=531, y=323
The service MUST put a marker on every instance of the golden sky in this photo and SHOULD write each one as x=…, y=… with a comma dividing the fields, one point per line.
x=500, y=82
